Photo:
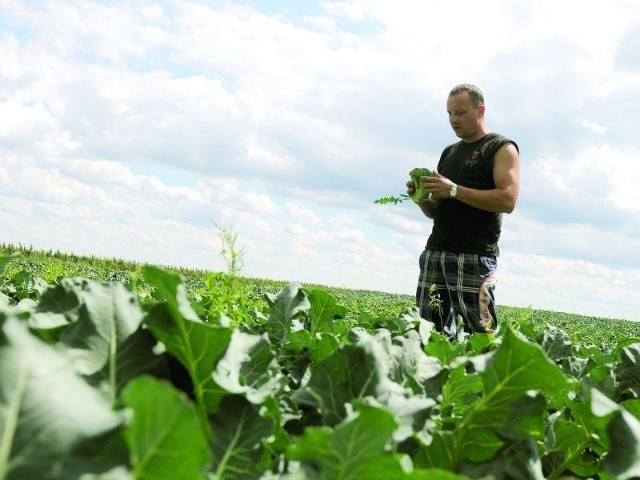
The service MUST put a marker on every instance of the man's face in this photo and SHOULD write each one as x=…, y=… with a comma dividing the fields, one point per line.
x=463, y=117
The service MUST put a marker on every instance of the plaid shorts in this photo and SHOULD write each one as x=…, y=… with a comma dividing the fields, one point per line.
x=453, y=284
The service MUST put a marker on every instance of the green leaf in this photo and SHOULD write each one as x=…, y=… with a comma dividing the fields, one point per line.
x=566, y=442
x=170, y=287
x=487, y=427
x=518, y=366
x=349, y=374
x=517, y=460
x=354, y=447
x=6, y=260
x=47, y=411
x=369, y=371
x=413, y=368
x=632, y=406
x=460, y=392
x=324, y=345
x=239, y=432
x=603, y=378
x=58, y=307
x=555, y=343
x=104, y=317
x=284, y=307
x=165, y=438
x=623, y=459
x=509, y=405
x=248, y=367
x=434, y=474
x=627, y=371
x=197, y=345
x=439, y=453
x=135, y=357
x=392, y=199
x=323, y=311
x=443, y=349
x=480, y=343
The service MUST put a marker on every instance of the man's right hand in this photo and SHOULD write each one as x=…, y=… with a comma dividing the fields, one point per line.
x=411, y=188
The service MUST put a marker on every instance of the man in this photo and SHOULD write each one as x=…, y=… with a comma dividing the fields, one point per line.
x=477, y=181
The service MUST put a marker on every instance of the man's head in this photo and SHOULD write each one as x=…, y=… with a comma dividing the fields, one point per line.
x=475, y=94
x=465, y=106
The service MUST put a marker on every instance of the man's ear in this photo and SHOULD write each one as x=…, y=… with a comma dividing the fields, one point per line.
x=481, y=109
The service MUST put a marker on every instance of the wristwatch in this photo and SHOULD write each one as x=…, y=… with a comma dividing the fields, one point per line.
x=454, y=190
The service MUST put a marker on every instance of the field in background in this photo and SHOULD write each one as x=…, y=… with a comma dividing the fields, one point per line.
x=200, y=375
x=30, y=265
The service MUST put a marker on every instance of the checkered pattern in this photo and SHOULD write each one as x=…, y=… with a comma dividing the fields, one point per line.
x=464, y=285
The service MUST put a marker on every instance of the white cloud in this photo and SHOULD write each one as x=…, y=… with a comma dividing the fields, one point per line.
x=341, y=220
x=568, y=285
x=20, y=122
x=301, y=214
x=130, y=128
x=593, y=126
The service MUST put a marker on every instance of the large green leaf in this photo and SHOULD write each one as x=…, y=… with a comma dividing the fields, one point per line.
x=441, y=347
x=353, y=372
x=460, y=392
x=135, y=357
x=628, y=370
x=102, y=317
x=439, y=453
x=323, y=311
x=170, y=287
x=566, y=443
x=47, y=411
x=410, y=366
x=284, y=307
x=239, y=433
x=196, y=344
x=487, y=427
x=348, y=374
x=590, y=410
x=355, y=449
x=58, y=307
x=623, y=459
x=517, y=460
x=248, y=367
x=520, y=365
x=556, y=343
x=508, y=405
x=368, y=371
x=165, y=437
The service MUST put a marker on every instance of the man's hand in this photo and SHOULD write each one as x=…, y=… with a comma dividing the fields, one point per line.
x=428, y=205
x=438, y=186
x=411, y=188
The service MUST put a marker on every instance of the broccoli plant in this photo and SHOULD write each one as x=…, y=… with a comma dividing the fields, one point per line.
x=420, y=191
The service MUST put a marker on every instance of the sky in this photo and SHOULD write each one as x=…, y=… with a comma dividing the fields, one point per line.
x=139, y=129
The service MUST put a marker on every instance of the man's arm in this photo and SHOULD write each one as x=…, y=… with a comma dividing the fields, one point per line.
x=428, y=207
x=503, y=198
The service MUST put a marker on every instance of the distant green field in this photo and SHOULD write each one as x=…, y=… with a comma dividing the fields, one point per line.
x=29, y=265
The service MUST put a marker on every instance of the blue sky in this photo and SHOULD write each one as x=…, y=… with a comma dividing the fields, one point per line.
x=129, y=129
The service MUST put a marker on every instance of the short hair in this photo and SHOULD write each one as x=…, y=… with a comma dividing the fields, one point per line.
x=475, y=94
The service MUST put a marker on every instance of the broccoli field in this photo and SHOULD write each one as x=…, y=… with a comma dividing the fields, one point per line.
x=116, y=371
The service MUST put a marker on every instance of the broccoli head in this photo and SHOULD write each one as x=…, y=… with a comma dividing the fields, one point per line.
x=421, y=192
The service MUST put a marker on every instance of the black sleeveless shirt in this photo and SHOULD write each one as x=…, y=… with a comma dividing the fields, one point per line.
x=458, y=227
